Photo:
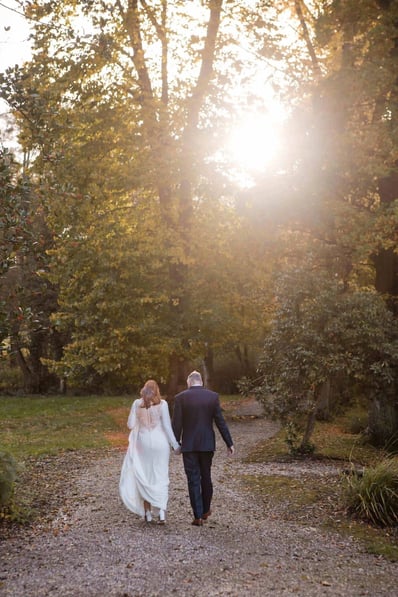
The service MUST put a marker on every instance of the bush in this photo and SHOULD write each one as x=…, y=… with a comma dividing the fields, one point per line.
x=11, y=378
x=358, y=424
x=321, y=332
x=294, y=443
x=373, y=496
x=8, y=474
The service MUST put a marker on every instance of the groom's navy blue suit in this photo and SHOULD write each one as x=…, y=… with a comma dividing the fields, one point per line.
x=195, y=411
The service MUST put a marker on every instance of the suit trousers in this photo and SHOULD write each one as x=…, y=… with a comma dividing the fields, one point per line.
x=197, y=466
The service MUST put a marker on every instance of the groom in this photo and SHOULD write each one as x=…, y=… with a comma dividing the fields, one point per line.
x=195, y=409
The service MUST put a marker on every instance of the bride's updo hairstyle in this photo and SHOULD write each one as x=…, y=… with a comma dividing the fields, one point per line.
x=150, y=394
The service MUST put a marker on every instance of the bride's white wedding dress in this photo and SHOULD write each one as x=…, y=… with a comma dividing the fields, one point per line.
x=145, y=470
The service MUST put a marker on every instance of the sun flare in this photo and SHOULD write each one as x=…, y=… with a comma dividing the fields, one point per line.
x=256, y=141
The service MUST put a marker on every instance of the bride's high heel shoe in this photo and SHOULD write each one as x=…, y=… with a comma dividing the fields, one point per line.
x=162, y=517
x=148, y=516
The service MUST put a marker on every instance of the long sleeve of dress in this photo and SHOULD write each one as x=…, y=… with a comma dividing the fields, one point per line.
x=166, y=423
x=132, y=420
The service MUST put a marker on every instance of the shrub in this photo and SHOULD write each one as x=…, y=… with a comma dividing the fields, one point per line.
x=358, y=424
x=294, y=443
x=11, y=378
x=373, y=496
x=8, y=473
x=322, y=332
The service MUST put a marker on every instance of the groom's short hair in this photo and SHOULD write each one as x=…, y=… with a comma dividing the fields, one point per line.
x=194, y=379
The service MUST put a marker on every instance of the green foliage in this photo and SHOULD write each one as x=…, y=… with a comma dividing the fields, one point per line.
x=11, y=378
x=373, y=496
x=8, y=474
x=27, y=298
x=152, y=264
x=358, y=424
x=294, y=442
x=114, y=305
x=136, y=210
x=383, y=420
x=10, y=509
x=321, y=331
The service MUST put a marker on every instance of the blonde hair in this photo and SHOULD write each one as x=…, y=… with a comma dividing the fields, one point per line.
x=150, y=394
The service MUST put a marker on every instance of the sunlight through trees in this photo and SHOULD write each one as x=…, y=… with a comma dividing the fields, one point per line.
x=181, y=154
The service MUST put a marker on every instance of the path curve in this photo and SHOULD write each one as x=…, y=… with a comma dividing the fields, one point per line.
x=94, y=547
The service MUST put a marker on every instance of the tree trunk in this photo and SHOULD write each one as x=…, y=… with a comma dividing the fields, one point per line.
x=31, y=382
x=320, y=393
x=311, y=419
x=208, y=368
x=244, y=361
x=323, y=410
x=179, y=371
x=386, y=260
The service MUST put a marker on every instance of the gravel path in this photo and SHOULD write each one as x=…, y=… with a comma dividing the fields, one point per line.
x=91, y=546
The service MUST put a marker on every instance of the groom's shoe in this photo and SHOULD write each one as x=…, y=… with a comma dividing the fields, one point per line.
x=197, y=522
x=206, y=515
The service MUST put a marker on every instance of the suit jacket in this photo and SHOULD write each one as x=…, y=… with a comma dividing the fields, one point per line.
x=195, y=410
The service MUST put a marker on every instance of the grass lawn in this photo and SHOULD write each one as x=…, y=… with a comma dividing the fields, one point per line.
x=41, y=425
x=44, y=425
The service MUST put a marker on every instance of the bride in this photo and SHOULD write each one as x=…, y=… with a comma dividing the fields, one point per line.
x=144, y=479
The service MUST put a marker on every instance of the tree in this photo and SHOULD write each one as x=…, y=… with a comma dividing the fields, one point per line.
x=320, y=333
x=360, y=95
x=27, y=298
x=336, y=199
x=121, y=141
x=362, y=100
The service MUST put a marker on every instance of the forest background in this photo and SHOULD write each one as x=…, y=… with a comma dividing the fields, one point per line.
x=207, y=184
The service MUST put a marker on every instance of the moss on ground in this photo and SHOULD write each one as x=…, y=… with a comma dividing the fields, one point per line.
x=307, y=498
